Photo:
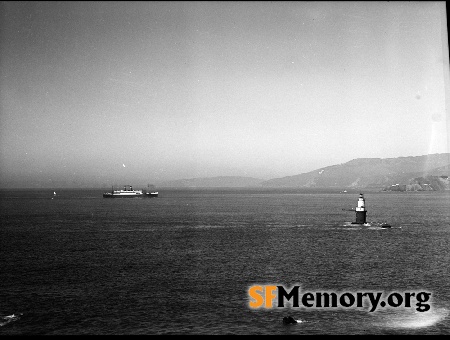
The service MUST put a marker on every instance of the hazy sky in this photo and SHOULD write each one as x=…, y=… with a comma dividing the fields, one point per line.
x=142, y=92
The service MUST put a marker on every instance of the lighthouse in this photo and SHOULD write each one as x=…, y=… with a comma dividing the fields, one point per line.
x=361, y=210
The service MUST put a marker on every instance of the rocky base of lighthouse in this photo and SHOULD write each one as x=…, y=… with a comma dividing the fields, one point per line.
x=361, y=217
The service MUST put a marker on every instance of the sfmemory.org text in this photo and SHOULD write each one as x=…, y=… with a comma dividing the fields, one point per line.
x=264, y=296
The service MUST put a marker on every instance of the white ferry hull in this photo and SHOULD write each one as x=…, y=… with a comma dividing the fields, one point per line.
x=125, y=193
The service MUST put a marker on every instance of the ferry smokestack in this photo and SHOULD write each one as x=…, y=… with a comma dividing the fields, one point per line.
x=361, y=210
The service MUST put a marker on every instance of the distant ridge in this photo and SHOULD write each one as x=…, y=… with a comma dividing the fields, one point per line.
x=369, y=173
x=214, y=182
x=413, y=172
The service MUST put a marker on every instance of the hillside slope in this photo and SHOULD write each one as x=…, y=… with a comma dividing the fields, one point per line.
x=369, y=173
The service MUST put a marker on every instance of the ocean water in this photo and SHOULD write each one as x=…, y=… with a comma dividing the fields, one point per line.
x=182, y=263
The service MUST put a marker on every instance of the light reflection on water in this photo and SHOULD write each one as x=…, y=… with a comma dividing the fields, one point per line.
x=412, y=319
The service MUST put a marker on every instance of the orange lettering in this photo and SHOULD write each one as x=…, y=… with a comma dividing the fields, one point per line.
x=270, y=296
x=258, y=299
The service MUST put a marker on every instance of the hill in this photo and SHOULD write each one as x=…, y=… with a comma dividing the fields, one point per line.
x=380, y=173
x=428, y=172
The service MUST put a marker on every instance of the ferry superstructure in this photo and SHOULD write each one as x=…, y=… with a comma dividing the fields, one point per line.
x=127, y=192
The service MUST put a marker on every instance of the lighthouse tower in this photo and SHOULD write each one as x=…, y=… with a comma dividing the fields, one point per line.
x=361, y=210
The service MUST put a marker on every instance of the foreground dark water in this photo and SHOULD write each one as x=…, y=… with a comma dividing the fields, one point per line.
x=182, y=263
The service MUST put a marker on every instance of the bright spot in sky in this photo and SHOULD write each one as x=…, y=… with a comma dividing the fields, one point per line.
x=123, y=165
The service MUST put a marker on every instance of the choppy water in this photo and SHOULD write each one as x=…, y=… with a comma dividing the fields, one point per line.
x=182, y=263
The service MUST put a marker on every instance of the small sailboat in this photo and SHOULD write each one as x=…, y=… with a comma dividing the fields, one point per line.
x=4, y=320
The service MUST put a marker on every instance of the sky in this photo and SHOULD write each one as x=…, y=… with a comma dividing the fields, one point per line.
x=102, y=93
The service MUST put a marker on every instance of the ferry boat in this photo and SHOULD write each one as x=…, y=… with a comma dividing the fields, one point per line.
x=151, y=191
x=151, y=194
x=127, y=192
